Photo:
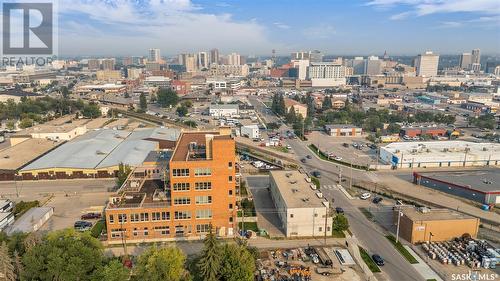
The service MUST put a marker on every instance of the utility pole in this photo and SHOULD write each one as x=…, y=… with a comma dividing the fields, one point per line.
x=399, y=219
x=326, y=220
x=350, y=182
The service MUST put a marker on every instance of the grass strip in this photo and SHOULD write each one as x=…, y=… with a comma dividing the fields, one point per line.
x=368, y=260
x=402, y=250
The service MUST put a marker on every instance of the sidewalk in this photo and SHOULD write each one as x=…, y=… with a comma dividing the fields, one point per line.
x=422, y=267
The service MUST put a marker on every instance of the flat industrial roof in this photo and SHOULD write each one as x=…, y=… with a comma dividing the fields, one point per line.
x=434, y=214
x=296, y=191
x=103, y=148
x=485, y=180
x=26, y=222
x=15, y=157
x=182, y=148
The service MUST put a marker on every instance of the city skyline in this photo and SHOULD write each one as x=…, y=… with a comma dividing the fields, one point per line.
x=401, y=27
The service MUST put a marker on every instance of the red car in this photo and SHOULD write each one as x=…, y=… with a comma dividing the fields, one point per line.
x=91, y=216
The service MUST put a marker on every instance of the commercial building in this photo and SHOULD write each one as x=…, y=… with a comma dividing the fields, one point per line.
x=427, y=64
x=104, y=88
x=157, y=81
x=154, y=55
x=301, y=210
x=229, y=70
x=198, y=192
x=482, y=186
x=373, y=66
x=31, y=221
x=440, y=154
x=234, y=59
x=98, y=153
x=214, y=56
x=326, y=74
x=343, y=130
x=108, y=75
x=93, y=64
x=108, y=64
x=297, y=106
x=223, y=110
x=419, y=225
x=465, y=61
x=250, y=131
x=203, y=60
x=423, y=131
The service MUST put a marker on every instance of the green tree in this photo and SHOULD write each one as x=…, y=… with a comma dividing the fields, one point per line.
x=65, y=256
x=182, y=111
x=393, y=128
x=64, y=92
x=113, y=271
x=272, y=126
x=18, y=265
x=26, y=123
x=143, y=103
x=7, y=270
x=327, y=103
x=187, y=103
x=291, y=116
x=311, y=108
x=161, y=264
x=123, y=172
x=11, y=125
x=238, y=264
x=210, y=262
x=340, y=223
x=298, y=126
x=91, y=110
x=167, y=98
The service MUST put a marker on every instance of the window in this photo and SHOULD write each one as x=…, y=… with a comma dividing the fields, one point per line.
x=230, y=192
x=202, y=228
x=111, y=219
x=230, y=219
x=320, y=229
x=182, y=215
x=163, y=230
x=230, y=206
x=204, y=214
x=202, y=172
x=122, y=218
x=117, y=232
x=135, y=233
x=180, y=172
x=165, y=216
x=144, y=216
x=182, y=201
x=146, y=231
x=155, y=216
x=291, y=215
x=134, y=217
x=181, y=186
x=203, y=185
x=203, y=199
x=230, y=164
x=230, y=178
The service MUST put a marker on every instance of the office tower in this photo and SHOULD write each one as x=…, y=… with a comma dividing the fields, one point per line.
x=326, y=74
x=301, y=55
x=214, y=56
x=358, y=65
x=476, y=56
x=203, y=60
x=182, y=59
x=108, y=64
x=465, y=61
x=93, y=64
x=152, y=66
x=190, y=63
x=194, y=191
x=427, y=64
x=127, y=61
x=301, y=66
x=316, y=56
x=154, y=55
x=373, y=66
x=234, y=59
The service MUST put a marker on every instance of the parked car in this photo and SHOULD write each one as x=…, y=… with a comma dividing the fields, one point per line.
x=378, y=260
x=316, y=174
x=82, y=225
x=339, y=210
x=345, y=144
x=337, y=158
x=303, y=160
x=308, y=156
x=377, y=200
x=91, y=216
x=365, y=196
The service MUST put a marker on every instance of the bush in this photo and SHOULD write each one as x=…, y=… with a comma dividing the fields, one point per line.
x=22, y=207
x=97, y=228
x=248, y=207
x=249, y=226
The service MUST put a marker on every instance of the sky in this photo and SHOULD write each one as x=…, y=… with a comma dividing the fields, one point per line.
x=255, y=27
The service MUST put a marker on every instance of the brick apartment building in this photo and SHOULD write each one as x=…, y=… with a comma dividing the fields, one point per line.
x=196, y=190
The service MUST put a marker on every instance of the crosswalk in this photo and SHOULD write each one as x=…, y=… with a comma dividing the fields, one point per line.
x=329, y=187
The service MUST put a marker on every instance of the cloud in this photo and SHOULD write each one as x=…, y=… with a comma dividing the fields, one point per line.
x=451, y=24
x=401, y=16
x=122, y=27
x=281, y=25
x=320, y=32
x=427, y=7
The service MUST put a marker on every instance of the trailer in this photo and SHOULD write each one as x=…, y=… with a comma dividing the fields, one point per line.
x=323, y=257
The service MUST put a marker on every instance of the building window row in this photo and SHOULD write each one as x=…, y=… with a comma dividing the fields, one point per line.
x=141, y=217
x=180, y=172
x=181, y=186
x=202, y=228
x=203, y=185
x=202, y=172
x=163, y=230
x=203, y=200
x=182, y=215
x=204, y=214
x=182, y=201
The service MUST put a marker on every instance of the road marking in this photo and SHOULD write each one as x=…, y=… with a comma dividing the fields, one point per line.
x=328, y=187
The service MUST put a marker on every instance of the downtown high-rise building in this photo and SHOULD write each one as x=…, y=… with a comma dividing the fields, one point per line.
x=426, y=64
x=108, y=64
x=372, y=66
x=214, y=56
x=154, y=55
x=465, y=60
x=315, y=56
x=203, y=60
x=234, y=59
x=94, y=64
x=475, y=60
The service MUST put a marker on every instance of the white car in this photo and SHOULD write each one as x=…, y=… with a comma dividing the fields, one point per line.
x=365, y=196
x=338, y=158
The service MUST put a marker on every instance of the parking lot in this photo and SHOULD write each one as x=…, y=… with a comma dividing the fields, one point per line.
x=343, y=148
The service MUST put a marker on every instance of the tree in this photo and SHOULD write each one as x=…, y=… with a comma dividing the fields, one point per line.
x=167, y=98
x=210, y=261
x=64, y=255
x=11, y=125
x=238, y=264
x=393, y=128
x=18, y=265
x=123, y=172
x=298, y=126
x=143, y=103
x=187, y=103
x=291, y=116
x=26, y=123
x=7, y=270
x=327, y=103
x=272, y=126
x=182, y=111
x=161, y=264
x=190, y=123
x=113, y=271
x=311, y=108
x=91, y=110
x=64, y=92
x=340, y=223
